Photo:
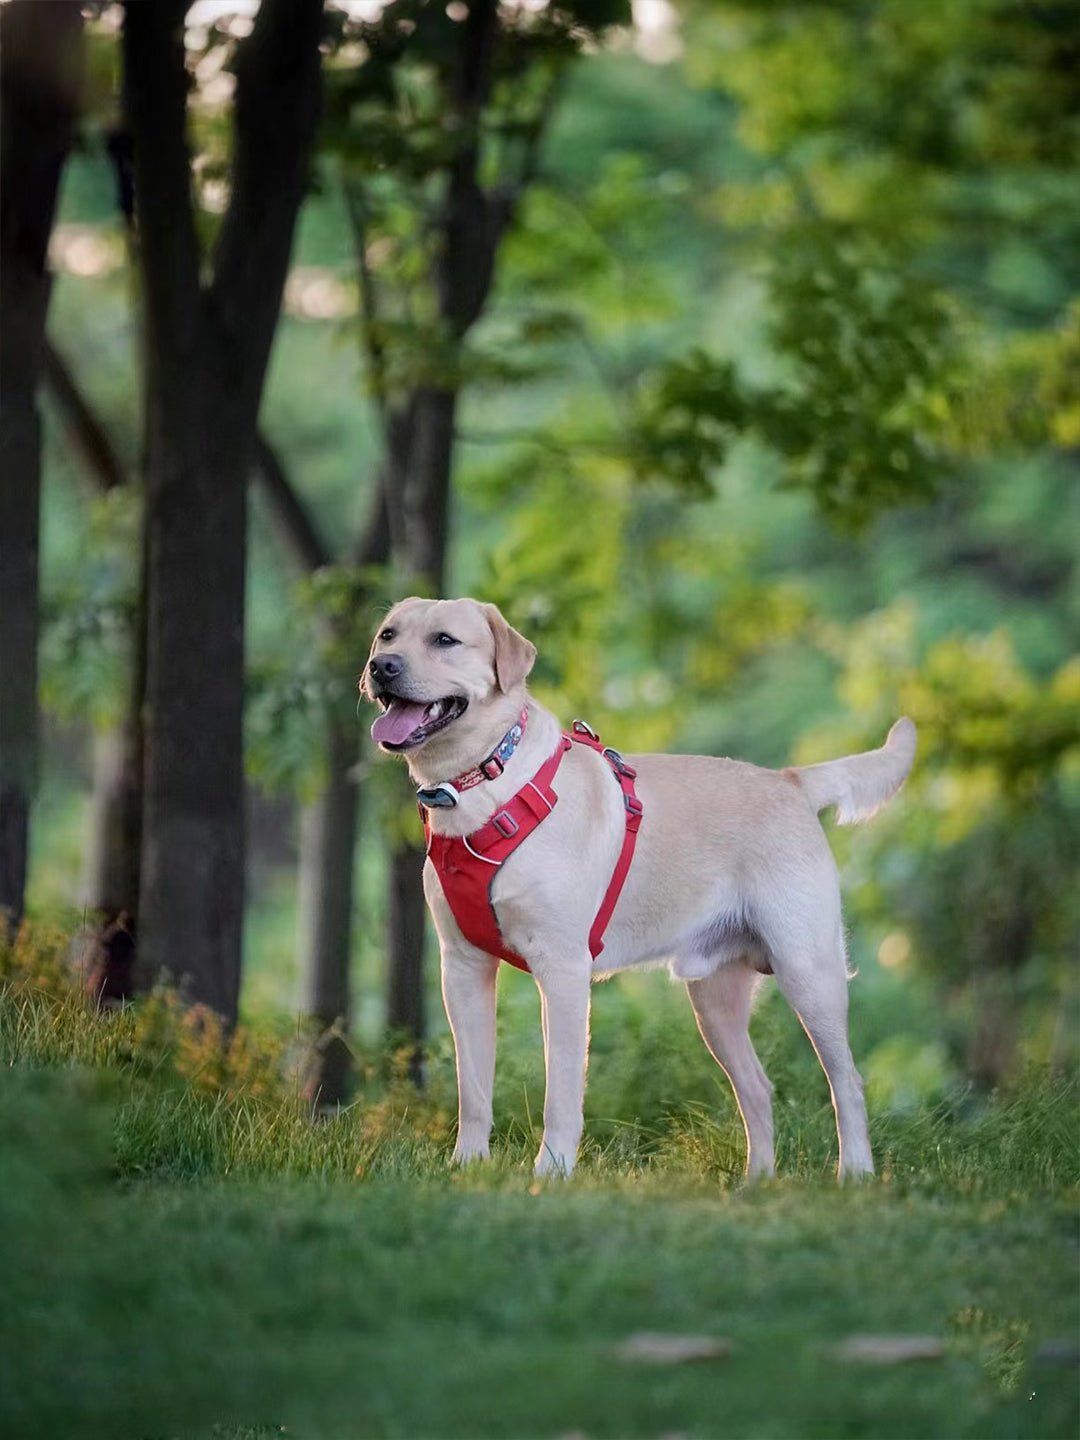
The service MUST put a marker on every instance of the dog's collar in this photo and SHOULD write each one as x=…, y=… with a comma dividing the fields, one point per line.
x=445, y=795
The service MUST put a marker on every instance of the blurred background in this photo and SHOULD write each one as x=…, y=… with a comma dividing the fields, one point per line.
x=764, y=426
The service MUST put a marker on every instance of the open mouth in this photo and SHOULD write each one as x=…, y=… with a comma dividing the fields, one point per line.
x=404, y=724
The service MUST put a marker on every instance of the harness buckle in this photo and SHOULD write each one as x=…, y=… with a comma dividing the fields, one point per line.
x=580, y=728
x=616, y=760
x=633, y=804
x=505, y=824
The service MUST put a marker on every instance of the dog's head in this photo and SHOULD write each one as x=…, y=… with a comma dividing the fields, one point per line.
x=447, y=674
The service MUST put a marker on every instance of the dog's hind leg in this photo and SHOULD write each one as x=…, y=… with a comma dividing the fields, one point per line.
x=722, y=1006
x=815, y=985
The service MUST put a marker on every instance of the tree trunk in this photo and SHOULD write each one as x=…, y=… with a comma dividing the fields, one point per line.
x=110, y=886
x=422, y=492
x=419, y=437
x=40, y=75
x=113, y=872
x=327, y=865
x=328, y=826
x=424, y=488
x=992, y=1047
x=405, y=916
x=207, y=354
x=192, y=893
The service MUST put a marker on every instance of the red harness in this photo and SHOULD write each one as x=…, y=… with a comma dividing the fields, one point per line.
x=466, y=865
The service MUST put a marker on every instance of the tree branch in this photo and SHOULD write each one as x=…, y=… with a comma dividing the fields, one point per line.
x=373, y=543
x=369, y=295
x=292, y=519
x=296, y=526
x=85, y=433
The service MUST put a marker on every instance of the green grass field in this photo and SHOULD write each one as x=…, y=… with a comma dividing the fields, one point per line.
x=185, y=1254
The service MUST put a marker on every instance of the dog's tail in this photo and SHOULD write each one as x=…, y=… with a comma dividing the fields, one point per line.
x=859, y=785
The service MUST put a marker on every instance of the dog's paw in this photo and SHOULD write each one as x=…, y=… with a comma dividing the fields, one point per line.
x=554, y=1162
x=469, y=1154
x=855, y=1174
x=473, y=1142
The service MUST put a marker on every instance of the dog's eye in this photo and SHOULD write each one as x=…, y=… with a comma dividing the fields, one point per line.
x=444, y=640
x=387, y=634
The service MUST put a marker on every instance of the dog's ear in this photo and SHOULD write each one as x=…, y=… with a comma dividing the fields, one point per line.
x=514, y=655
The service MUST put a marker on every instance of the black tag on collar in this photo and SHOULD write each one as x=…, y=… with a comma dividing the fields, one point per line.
x=439, y=797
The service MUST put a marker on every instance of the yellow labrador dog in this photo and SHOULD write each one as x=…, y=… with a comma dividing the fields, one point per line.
x=731, y=877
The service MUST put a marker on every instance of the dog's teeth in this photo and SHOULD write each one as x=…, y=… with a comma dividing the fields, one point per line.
x=435, y=710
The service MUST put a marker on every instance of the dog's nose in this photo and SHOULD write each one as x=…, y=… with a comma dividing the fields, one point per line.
x=386, y=668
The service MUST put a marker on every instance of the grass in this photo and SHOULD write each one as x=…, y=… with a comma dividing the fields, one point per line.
x=185, y=1254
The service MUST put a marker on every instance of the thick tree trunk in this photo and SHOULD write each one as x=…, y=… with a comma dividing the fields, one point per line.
x=208, y=351
x=192, y=894
x=40, y=74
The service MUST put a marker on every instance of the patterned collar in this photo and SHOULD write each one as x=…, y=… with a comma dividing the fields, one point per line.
x=445, y=795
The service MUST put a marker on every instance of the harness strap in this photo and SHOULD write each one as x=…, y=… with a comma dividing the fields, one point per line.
x=625, y=775
x=536, y=797
x=467, y=865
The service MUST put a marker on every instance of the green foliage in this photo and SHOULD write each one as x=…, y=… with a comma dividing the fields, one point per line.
x=985, y=851
x=87, y=618
x=858, y=413
x=1024, y=396
x=313, y=673
x=973, y=83
x=869, y=347
x=426, y=114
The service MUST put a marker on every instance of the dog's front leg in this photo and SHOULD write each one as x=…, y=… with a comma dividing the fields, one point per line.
x=468, y=986
x=564, y=1001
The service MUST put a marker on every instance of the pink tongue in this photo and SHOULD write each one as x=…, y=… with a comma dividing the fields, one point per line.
x=398, y=722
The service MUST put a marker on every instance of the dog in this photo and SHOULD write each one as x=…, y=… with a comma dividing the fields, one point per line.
x=731, y=876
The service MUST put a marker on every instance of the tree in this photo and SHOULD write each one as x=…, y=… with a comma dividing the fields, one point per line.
x=922, y=170
x=40, y=77
x=439, y=133
x=208, y=339
x=329, y=821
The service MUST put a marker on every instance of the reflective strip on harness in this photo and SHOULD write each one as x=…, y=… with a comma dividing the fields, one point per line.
x=467, y=865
